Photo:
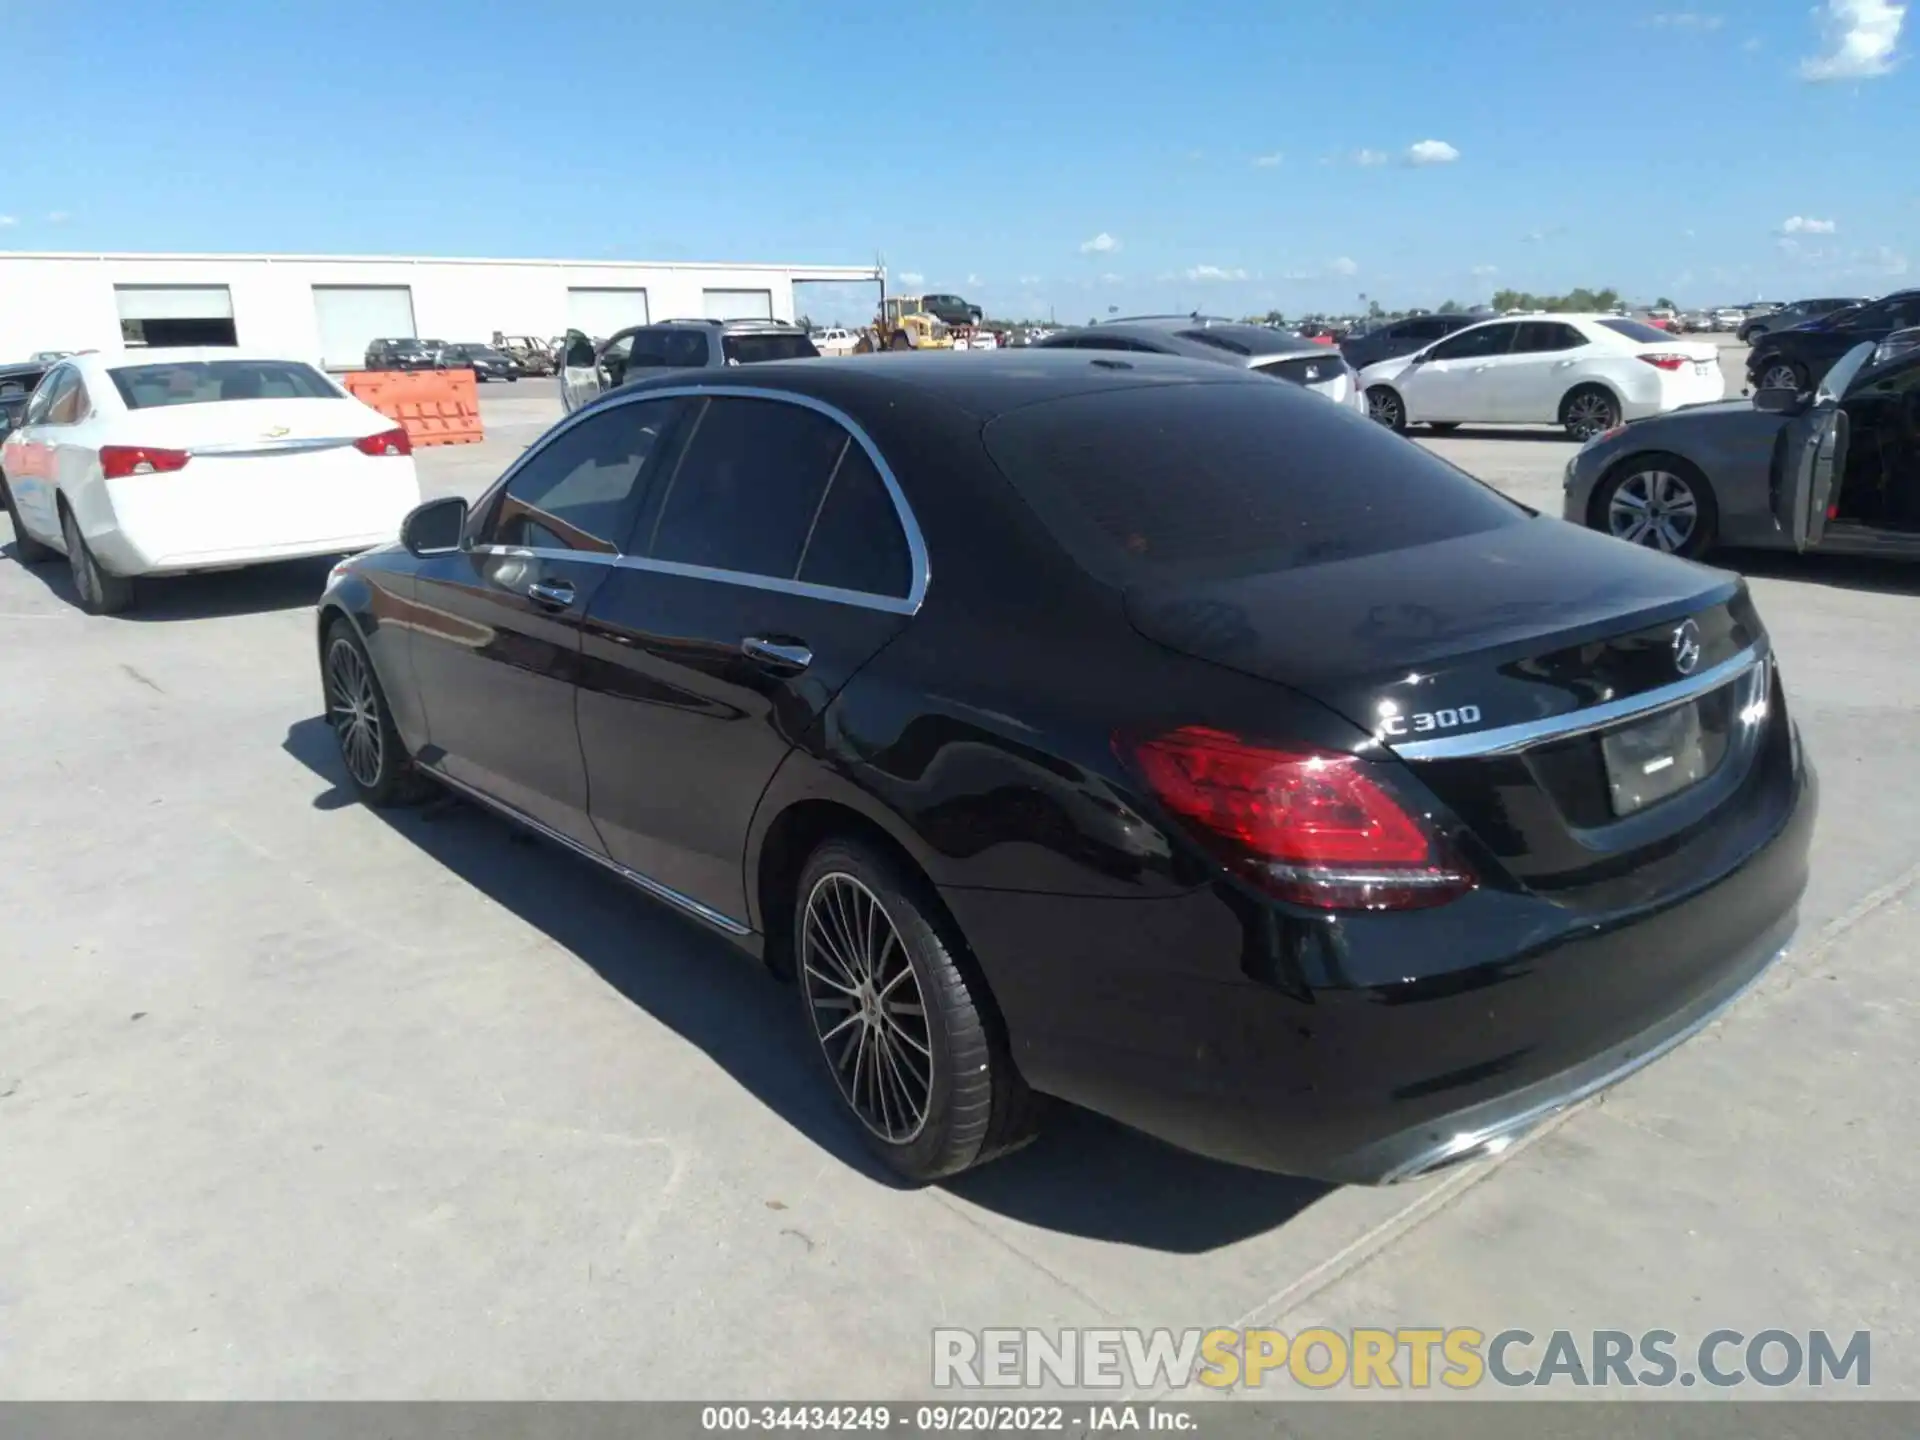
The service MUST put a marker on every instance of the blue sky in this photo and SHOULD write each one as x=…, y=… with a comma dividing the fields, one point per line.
x=1056, y=154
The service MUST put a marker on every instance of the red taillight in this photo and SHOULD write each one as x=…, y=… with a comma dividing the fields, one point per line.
x=1312, y=828
x=1667, y=362
x=119, y=461
x=387, y=442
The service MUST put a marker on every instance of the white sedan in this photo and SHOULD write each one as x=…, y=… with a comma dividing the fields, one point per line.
x=1587, y=373
x=157, y=462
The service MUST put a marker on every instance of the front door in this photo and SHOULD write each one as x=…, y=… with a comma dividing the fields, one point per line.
x=580, y=379
x=1452, y=382
x=1816, y=451
x=767, y=569
x=496, y=635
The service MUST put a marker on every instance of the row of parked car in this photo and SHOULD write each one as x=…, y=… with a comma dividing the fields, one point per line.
x=486, y=361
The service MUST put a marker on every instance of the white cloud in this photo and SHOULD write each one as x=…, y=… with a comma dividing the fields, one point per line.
x=1101, y=244
x=1861, y=36
x=1215, y=272
x=1029, y=279
x=1343, y=266
x=1431, y=152
x=1884, y=260
x=1806, y=225
x=1267, y=162
x=975, y=280
x=6, y=220
x=1686, y=20
x=1370, y=157
x=1546, y=232
x=1751, y=45
x=58, y=217
x=911, y=277
x=1110, y=278
x=1483, y=271
x=1298, y=276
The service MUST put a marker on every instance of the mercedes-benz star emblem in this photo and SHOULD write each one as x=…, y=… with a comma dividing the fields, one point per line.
x=1686, y=647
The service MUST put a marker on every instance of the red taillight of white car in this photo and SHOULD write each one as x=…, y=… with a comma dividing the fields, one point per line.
x=387, y=442
x=119, y=461
x=1668, y=362
x=1308, y=827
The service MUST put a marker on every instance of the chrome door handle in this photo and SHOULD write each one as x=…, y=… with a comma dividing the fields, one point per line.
x=552, y=592
x=777, y=654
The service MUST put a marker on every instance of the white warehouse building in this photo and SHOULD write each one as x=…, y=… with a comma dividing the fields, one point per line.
x=327, y=307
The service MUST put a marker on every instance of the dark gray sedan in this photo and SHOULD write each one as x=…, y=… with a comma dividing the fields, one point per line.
x=1834, y=469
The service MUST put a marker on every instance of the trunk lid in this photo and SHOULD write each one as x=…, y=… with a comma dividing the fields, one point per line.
x=217, y=425
x=1572, y=699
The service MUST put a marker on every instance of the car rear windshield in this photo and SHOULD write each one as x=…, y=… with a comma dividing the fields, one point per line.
x=1634, y=330
x=752, y=349
x=1176, y=481
x=196, y=382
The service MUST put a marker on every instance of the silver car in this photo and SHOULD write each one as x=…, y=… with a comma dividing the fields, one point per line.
x=1319, y=367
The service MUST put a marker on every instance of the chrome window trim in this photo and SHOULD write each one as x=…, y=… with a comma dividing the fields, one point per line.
x=1506, y=739
x=921, y=574
x=634, y=878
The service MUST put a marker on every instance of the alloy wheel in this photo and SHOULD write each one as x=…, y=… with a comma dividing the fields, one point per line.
x=1780, y=377
x=868, y=1012
x=1588, y=414
x=353, y=709
x=1655, y=508
x=1384, y=406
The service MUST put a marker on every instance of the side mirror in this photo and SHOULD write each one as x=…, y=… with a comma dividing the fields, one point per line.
x=1777, y=400
x=435, y=528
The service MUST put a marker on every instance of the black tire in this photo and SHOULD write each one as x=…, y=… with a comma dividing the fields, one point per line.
x=1642, y=468
x=1773, y=363
x=1443, y=427
x=976, y=1106
x=378, y=766
x=1589, y=410
x=1385, y=406
x=100, y=592
x=26, y=549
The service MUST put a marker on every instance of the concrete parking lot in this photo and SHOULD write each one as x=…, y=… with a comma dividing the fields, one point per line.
x=300, y=1100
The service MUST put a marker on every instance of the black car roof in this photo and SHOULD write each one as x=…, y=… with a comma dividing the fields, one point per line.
x=1255, y=340
x=984, y=386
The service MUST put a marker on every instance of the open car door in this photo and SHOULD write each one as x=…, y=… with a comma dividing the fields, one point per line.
x=1816, y=455
x=580, y=377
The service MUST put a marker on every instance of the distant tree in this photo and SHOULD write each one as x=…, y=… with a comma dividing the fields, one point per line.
x=1663, y=303
x=805, y=322
x=1374, y=312
x=1451, y=307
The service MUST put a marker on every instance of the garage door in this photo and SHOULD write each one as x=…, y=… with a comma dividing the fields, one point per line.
x=602, y=312
x=351, y=315
x=739, y=304
x=175, y=314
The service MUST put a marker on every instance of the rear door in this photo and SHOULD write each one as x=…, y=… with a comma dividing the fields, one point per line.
x=496, y=632
x=28, y=455
x=768, y=567
x=1540, y=370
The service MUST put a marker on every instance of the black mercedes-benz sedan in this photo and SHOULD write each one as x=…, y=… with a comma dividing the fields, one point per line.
x=1117, y=728
x=1834, y=469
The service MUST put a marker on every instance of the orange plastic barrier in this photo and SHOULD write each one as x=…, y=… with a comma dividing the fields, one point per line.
x=436, y=407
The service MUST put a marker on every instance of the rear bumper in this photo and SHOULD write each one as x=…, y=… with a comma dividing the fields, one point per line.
x=122, y=556
x=1227, y=1027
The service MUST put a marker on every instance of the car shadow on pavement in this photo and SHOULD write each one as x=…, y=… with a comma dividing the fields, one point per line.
x=1840, y=572
x=1085, y=1175
x=207, y=595
x=1481, y=432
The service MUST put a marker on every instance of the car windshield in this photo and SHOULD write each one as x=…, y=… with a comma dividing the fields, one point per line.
x=201, y=382
x=407, y=347
x=1150, y=483
x=1634, y=330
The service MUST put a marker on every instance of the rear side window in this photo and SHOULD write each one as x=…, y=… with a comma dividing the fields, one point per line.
x=857, y=542
x=1217, y=341
x=200, y=382
x=746, y=491
x=1634, y=330
x=1541, y=337
x=1169, y=481
x=752, y=349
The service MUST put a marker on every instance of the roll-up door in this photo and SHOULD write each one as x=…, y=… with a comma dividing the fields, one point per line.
x=349, y=316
